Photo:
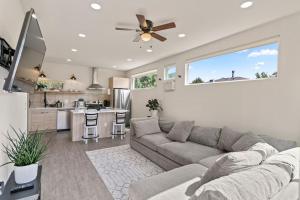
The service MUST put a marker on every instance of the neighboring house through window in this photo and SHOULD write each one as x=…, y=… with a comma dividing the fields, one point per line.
x=259, y=62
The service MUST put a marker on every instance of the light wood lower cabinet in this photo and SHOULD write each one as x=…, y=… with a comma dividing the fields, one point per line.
x=42, y=119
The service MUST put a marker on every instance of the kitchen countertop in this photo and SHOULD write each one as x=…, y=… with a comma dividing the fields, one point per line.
x=113, y=110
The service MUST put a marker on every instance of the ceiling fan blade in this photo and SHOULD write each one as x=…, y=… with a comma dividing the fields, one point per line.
x=159, y=37
x=126, y=29
x=137, y=38
x=164, y=26
x=142, y=20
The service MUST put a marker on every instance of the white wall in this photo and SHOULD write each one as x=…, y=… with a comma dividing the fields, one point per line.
x=13, y=113
x=264, y=106
x=13, y=109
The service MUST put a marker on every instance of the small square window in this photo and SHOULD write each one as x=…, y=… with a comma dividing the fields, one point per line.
x=170, y=72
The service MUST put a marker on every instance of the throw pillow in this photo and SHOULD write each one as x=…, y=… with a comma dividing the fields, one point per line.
x=232, y=163
x=146, y=127
x=289, y=160
x=246, y=141
x=227, y=138
x=181, y=131
x=265, y=149
x=166, y=125
x=257, y=183
x=205, y=135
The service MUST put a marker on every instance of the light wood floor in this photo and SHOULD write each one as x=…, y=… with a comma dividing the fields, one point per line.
x=67, y=172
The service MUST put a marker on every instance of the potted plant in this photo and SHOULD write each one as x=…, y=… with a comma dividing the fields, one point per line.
x=25, y=151
x=154, y=107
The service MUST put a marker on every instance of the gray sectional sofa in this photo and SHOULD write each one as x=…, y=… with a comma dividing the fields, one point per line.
x=186, y=162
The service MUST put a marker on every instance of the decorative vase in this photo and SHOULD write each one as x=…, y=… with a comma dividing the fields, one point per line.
x=25, y=174
x=154, y=113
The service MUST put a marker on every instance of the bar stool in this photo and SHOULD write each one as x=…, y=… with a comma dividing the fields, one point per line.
x=91, y=122
x=119, y=125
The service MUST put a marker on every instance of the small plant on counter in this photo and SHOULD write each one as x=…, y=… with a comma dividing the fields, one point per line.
x=41, y=86
x=25, y=151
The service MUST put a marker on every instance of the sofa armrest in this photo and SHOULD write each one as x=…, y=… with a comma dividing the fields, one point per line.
x=132, y=132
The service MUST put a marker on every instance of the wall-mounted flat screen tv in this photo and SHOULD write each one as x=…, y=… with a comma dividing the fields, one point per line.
x=28, y=58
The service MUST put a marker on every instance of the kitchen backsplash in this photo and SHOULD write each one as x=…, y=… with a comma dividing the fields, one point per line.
x=37, y=99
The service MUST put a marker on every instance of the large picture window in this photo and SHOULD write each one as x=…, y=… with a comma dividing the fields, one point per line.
x=248, y=64
x=145, y=80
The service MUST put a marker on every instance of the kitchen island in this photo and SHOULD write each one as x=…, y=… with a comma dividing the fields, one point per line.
x=105, y=121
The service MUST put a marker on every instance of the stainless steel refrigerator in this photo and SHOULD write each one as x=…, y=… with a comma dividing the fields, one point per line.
x=121, y=99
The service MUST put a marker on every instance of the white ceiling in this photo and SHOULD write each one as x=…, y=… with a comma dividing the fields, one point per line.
x=202, y=20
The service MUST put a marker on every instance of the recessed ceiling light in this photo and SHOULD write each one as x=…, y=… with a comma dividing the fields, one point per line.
x=34, y=16
x=149, y=50
x=95, y=6
x=247, y=4
x=114, y=66
x=81, y=35
x=181, y=35
x=69, y=60
x=129, y=59
x=74, y=50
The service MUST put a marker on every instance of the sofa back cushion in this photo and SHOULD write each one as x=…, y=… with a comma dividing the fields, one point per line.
x=231, y=163
x=145, y=127
x=258, y=183
x=246, y=141
x=279, y=144
x=205, y=135
x=166, y=125
x=181, y=131
x=227, y=138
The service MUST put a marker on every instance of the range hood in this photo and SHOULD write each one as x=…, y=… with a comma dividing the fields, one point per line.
x=95, y=84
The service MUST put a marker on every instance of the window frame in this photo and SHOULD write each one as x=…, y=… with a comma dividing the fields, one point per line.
x=166, y=68
x=138, y=75
x=272, y=40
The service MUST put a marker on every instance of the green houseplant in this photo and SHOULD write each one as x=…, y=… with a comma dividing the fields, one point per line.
x=154, y=106
x=25, y=151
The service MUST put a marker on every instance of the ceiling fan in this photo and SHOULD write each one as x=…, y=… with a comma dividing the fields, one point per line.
x=147, y=31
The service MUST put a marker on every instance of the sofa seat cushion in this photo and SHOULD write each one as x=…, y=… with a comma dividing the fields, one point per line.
x=154, y=140
x=187, y=153
x=210, y=161
x=167, y=181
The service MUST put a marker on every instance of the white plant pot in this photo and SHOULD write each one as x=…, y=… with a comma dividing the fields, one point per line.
x=26, y=174
x=154, y=113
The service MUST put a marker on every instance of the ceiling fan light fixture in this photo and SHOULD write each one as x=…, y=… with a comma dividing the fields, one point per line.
x=146, y=37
